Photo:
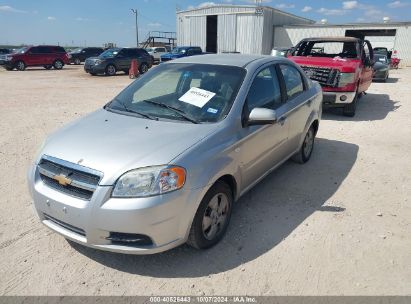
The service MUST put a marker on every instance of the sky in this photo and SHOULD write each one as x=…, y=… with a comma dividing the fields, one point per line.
x=95, y=22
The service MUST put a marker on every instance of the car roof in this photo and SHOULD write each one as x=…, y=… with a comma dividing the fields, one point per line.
x=228, y=59
x=331, y=38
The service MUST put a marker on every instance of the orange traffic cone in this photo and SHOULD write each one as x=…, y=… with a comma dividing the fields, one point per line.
x=133, y=72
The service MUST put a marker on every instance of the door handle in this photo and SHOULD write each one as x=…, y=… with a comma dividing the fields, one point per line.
x=282, y=120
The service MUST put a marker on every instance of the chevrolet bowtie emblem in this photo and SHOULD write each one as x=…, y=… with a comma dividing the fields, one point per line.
x=62, y=179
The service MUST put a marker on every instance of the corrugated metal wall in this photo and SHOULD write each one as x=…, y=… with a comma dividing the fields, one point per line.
x=226, y=37
x=240, y=28
x=289, y=36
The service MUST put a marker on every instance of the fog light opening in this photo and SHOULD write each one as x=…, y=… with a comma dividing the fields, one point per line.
x=343, y=97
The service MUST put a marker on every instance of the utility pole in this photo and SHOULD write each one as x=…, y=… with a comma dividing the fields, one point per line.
x=136, y=13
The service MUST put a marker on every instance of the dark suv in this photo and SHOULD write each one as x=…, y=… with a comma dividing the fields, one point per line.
x=80, y=55
x=48, y=56
x=118, y=59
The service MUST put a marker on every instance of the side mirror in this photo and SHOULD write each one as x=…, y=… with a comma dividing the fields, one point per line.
x=261, y=116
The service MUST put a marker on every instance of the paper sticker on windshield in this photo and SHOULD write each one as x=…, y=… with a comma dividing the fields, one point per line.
x=212, y=111
x=197, y=97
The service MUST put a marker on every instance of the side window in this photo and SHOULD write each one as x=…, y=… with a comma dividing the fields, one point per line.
x=190, y=52
x=293, y=81
x=162, y=50
x=366, y=54
x=265, y=90
x=34, y=50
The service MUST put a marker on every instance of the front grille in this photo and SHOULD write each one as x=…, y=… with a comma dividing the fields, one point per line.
x=71, y=179
x=324, y=76
x=65, y=225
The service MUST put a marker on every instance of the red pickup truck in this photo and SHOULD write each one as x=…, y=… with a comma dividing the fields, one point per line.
x=342, y=66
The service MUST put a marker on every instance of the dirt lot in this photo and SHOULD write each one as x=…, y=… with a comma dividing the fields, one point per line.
x=337, y=225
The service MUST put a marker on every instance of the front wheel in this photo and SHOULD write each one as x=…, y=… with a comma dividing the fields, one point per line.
x=77, y=61
x=58, y=64
x=212, y=217
x=111, y=70
x=20, y=66
x=304, y=154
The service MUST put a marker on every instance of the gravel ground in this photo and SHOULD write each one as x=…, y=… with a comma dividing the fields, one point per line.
x=339, y=225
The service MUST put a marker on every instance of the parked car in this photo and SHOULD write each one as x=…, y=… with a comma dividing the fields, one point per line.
x=118, y=59
x=80, y=55
x=180, y=52
x=342, y=65
x=280, y=52
x=381, y=68
x=5, y=51
x=156, y=52
x=180, y=145
x=48, y=56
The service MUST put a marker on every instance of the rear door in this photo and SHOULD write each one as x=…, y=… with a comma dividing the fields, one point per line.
x=33, y=56
x=298, y=103
x=263, y=147
x=123, y=59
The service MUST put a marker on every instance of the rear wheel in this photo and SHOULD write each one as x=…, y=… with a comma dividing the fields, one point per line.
x=20, y=65
x=349, y=109
x=304, y=154
x=58, y=64
x=111, y=70
x=77, y=61
x=212, y=217
x=143, y=68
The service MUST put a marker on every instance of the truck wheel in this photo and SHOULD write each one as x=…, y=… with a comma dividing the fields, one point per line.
x=349, y=109
x=212, y=217
x=303, y=155
x=20, y=66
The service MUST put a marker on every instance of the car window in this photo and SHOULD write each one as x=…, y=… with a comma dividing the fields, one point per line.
x=161, y=50
x=293, y=80
x=265, y=90
x=59, y=49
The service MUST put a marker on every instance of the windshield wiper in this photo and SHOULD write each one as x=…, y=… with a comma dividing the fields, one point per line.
x=178, y=111
x=127, y=109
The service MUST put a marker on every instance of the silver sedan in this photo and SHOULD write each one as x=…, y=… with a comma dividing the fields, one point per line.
x=164, y=162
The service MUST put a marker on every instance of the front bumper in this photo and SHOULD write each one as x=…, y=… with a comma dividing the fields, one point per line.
x=6, y=64
x=95, y=69
x=164, y=219
x=338, y=98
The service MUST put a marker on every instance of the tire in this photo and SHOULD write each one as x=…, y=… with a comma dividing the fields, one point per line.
x=349, y=109
x=20, y=65
x=111, y=70
x=214, y=212
x=143, y=68
x=58, y=64
x=48, y=67
x=304, y=154
x=77, y=61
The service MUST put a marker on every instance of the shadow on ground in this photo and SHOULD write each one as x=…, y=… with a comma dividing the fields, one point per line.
x=261, y=219
x=370, y=107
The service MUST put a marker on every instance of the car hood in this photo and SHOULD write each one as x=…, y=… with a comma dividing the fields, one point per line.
x=345, y=65
x=114, y=144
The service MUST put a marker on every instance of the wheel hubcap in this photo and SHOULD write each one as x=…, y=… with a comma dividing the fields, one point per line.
x=308, y=143
x=20, y=66
x=111, y=70
x=215, y=216
x=58, y=64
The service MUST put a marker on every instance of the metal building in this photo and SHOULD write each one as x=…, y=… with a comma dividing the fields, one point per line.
x=233, y=28
x=392, y=35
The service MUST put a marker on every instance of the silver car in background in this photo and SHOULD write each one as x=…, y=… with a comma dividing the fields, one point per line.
x=163, y=163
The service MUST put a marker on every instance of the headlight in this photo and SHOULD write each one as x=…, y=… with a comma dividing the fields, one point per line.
x=98, y=61
x=345, y=79
x=150, y=181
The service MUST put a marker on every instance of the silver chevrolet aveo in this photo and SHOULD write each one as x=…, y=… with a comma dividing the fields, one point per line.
x=163, y=163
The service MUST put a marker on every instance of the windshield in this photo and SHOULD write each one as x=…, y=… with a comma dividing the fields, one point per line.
x=195, y=93
x=76, y=50
x=109, y=53
x=178, y=51
x=149, y=50
x=20, y=51
x=331, y=49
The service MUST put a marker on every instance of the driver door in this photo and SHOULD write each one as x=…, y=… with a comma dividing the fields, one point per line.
x=265, y=146
x=367, y=71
